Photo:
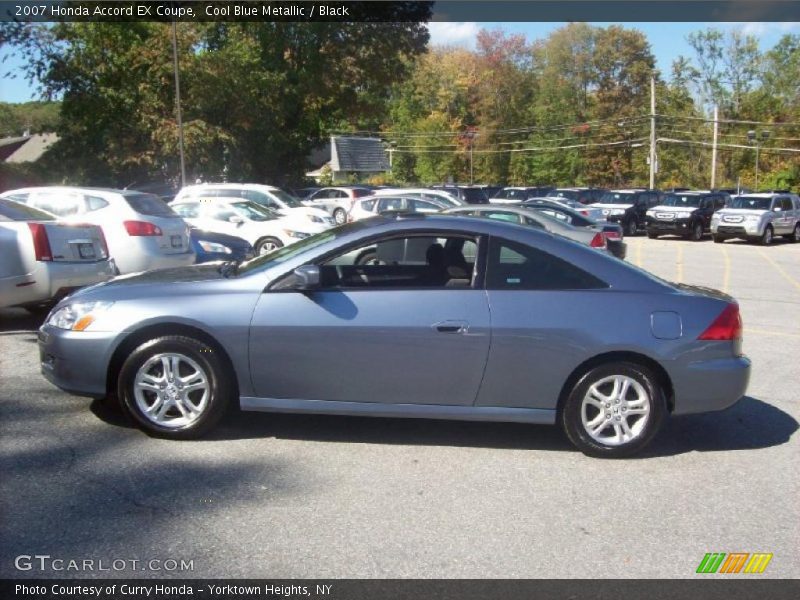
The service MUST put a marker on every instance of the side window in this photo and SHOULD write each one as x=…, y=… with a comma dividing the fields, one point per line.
x=423, y=206
x=220, y=212
x=368, y=205
x=787, y=204
x=533, y=223
x=95, y=203
x=60, y=204
x=390, y=204
x=428, y=261
x=501, y=216
x=188, y=211
x=515, y=266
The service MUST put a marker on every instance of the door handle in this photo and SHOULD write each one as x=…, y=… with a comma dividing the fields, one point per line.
x=452, y=327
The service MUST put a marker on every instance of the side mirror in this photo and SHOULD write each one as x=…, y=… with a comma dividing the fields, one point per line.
x=235, y=220
x=308, y=278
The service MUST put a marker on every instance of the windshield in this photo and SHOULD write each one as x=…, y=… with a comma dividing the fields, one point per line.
x=618, y=198
x=253, y=211
x=680, y=200
x=286, y=198
x=751, y=202
x=15, y=211
x=150, y=205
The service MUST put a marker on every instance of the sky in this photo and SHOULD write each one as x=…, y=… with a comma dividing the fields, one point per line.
x=668, y=41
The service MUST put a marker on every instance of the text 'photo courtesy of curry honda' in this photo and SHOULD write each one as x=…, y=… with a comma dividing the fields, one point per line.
x=453, y=317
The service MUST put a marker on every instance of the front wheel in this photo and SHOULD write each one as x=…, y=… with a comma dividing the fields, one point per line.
x=767, y=236
x=631, y=228
x=339, y=216
x=614, y=410
x=718, y=239
x=697, y=232
x=267, y=245
x=175, y=387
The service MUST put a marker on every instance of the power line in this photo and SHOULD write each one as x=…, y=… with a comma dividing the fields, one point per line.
x=533, y=149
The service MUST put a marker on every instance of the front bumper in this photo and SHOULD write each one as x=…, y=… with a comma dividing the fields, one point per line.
x=675, y=226
x=738, y=230
x=710, y=385
x=76, y=361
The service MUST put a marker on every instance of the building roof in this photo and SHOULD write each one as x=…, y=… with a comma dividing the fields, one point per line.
x=33, y=148
x=358, y=154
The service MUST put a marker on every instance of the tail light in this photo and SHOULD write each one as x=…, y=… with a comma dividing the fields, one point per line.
x=612, y=235
x=103, y=242
x=585, y=213
x=41, y=243
x=726, y=327
x=598, y=241
x=141, y=228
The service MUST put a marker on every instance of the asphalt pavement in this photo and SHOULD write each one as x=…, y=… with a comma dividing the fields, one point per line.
x=285, y=496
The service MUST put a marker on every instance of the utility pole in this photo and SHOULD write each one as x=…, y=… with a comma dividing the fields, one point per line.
x=714, y=149
x=652, y=132
x=179, y=116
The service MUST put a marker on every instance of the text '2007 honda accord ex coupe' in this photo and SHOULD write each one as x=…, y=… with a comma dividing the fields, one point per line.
x=432, y=316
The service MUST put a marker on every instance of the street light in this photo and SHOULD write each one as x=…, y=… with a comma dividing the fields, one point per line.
x=753, y=138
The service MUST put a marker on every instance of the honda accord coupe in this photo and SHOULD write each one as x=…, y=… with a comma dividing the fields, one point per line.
x=454, y=317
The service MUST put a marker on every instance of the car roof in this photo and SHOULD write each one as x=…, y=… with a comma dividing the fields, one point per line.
x=72, y=188
x=231, y=186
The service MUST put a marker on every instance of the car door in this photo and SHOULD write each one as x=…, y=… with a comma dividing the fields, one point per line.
x=374, y=333
x=787, y=215
x=542, y=308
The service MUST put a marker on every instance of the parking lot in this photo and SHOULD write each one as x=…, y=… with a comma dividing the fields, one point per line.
x=297, y=496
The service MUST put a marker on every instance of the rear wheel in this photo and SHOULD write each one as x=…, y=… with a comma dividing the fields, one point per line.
x=339, y=216
x=267, y=245
x=614, y=410
x=767, y=236
x=697, y=232
x=794, y=237
x=175, y=387
x=630, y=227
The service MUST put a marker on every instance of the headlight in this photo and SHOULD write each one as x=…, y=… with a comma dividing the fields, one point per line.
x=753, y=218
x=683, y=215
x=316, y=219
x=618, y=211
x=214, y=247
x=78, y=315
x=715, y=217
x=298, y=235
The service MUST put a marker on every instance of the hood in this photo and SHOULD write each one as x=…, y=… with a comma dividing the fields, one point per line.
x=612, y=206
x=672, y=209
x=305, y=211
x=195, y=273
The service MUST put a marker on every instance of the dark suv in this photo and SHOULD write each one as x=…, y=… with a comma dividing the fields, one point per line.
x=583, y=195
x=687, y=214
x=628, y=207
x=471, y=194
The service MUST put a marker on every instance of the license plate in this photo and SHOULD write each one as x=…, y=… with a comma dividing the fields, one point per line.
x=176, y=241
x=86, y=251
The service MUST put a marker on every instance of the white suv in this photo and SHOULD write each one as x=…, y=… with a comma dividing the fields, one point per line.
x=142, y=232
x=758, y=217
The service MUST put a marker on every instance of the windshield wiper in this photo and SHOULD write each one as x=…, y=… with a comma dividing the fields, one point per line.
x=229, y=268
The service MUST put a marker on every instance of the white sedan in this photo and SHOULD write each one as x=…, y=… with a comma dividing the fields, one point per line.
x=42, y=260
x=265, y=229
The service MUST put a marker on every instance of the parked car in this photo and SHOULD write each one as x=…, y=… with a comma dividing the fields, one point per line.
x=758, y=217
x=374, y=205
x=537, y=219
x=142, y=232
x=212, y=245
x=583, y=195
x=687, y=214
x=628, y=207
x=573, y=336
x=471, y=194
x=266, y=230
x=612, y=231
x=165, y=190
x=424, y=193
x=515, y=195
x=42, y=260
x=590, y=211
x=337, y=201
x=265, y=195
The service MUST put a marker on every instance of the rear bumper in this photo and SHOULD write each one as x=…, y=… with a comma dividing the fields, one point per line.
x=711, y=385
x=52, y=280
x=76, y=362
x=136, y=261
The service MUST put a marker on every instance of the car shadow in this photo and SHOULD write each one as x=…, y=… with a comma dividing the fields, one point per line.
x=749, y=425
x=17, y=320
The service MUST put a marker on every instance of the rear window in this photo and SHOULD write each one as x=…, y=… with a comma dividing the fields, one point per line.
x=474, y=196
x=14, y=211
x=148, y=204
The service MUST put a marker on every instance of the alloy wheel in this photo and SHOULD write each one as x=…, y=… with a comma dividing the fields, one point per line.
x=171, y=390
x=615, y=410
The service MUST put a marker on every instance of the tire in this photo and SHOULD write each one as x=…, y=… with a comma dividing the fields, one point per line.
x=794, y=237
x=718, y=239
x=140, y=387
x=267, y=245
x=767, y=237
x=582, y=410
x=697, y=232
x=339, y=216
x=652, y=236
x=630, y=227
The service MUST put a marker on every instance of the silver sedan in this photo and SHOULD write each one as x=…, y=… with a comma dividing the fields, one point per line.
x=461, y=318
